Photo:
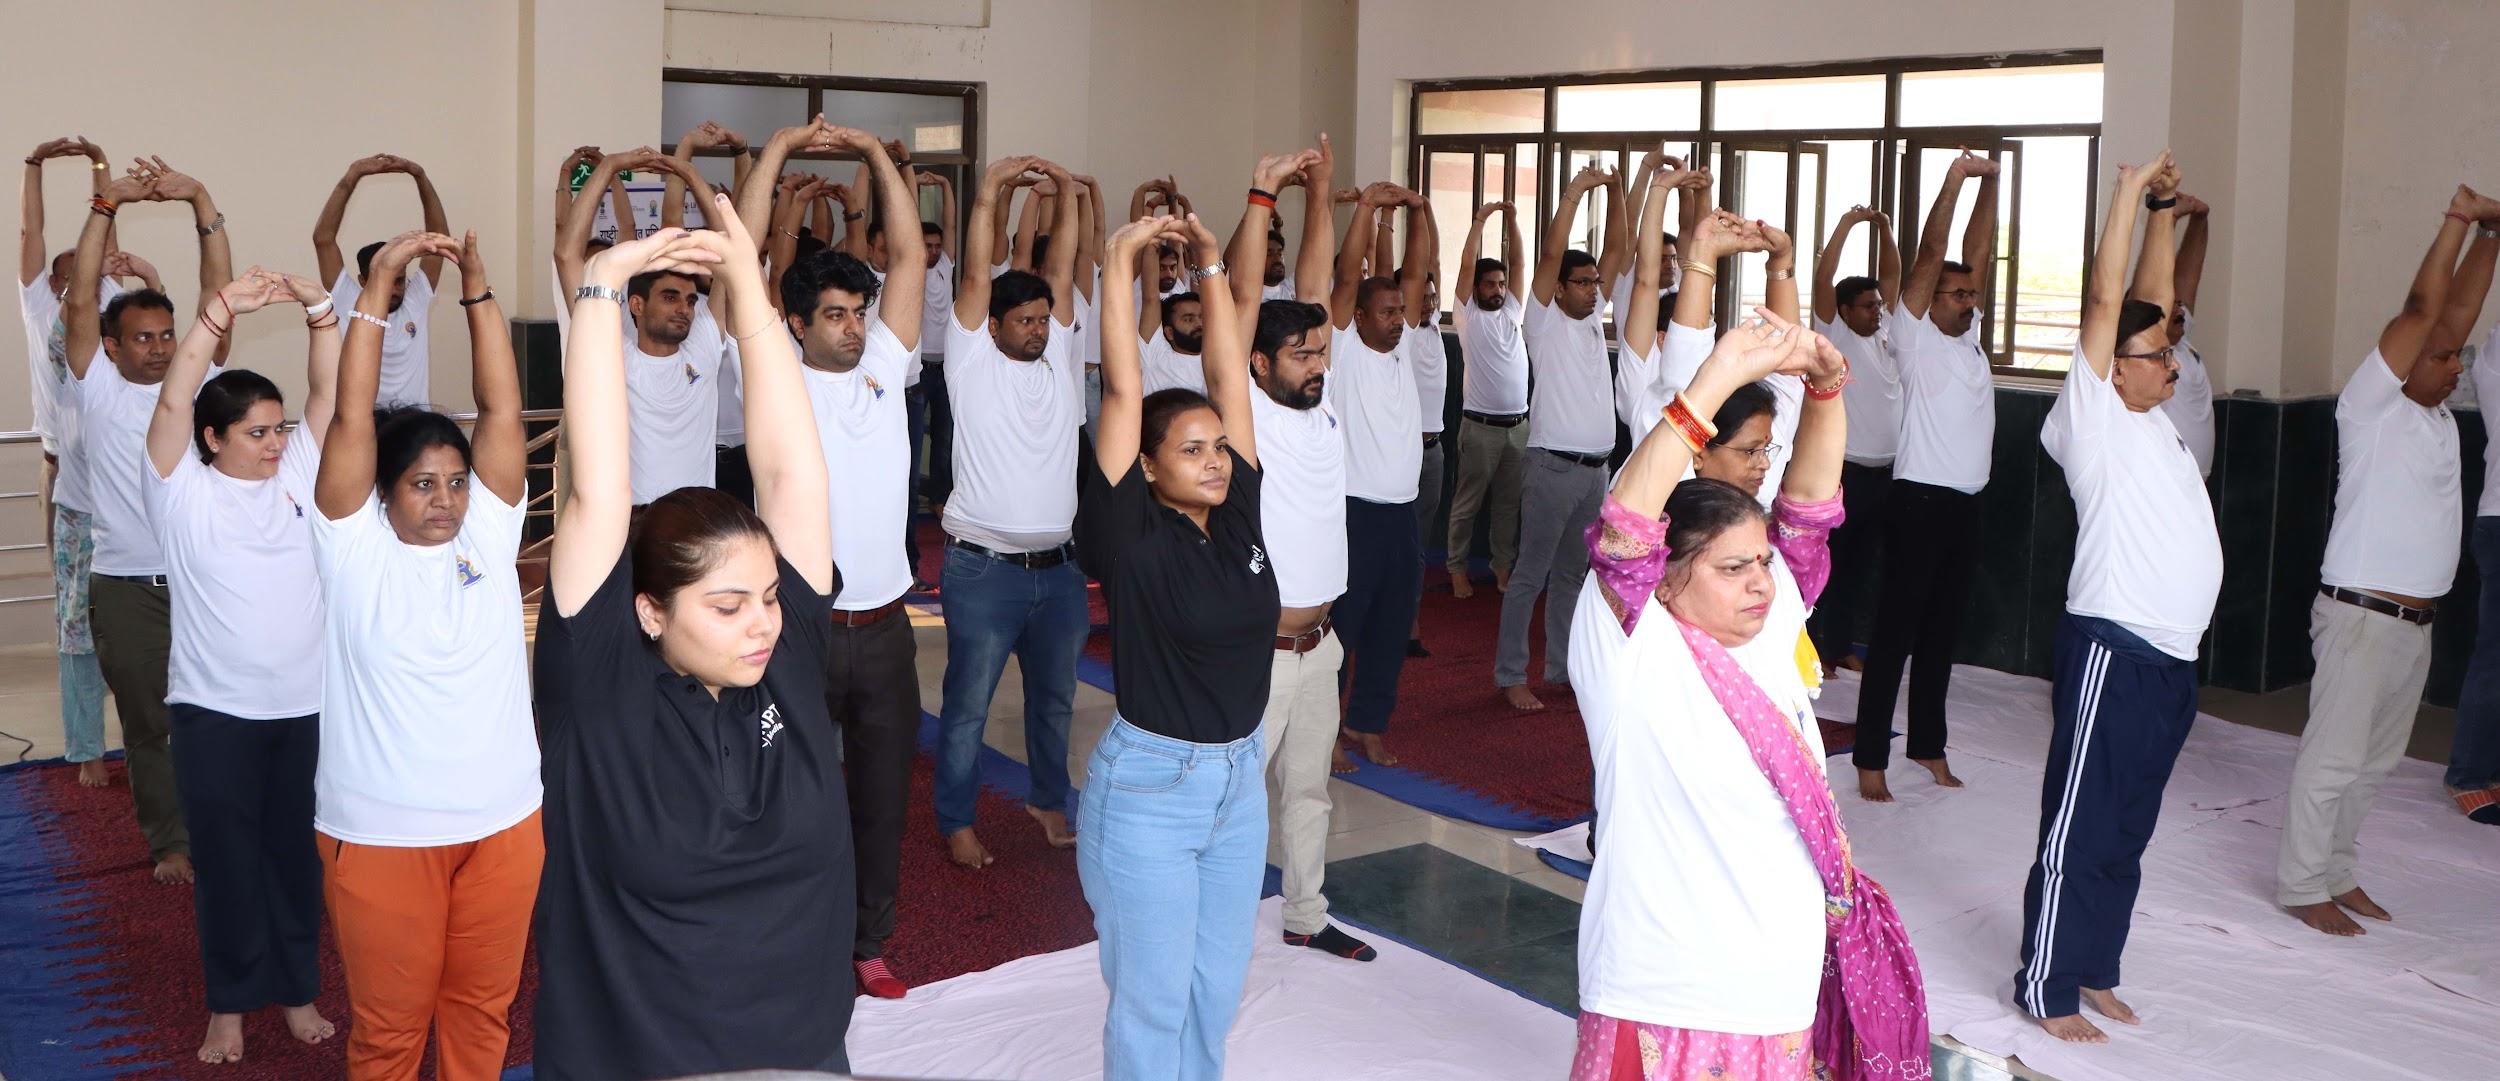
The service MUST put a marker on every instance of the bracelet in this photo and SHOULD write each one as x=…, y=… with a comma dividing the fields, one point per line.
x=316, y=311
x=1780, y=275
x=1696, y=432
x=211, y=228
x=768, y=325
x=212, y=326
x=854, y=215
x=100, y=166
x=1208, y=271
x=220, y=296
x=594, y=292
x=2443, y=213
x=791, y=233
x=481, y=298
x=1822, y=394
x=104, y=206
x=1263, y=198
x=33, y=160
x=2151, y=203
x=2488, y=231
x=379, y=322
x=324, y=325
x=1691, y=267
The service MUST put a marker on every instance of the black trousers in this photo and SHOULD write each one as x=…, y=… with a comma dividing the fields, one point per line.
x=247, y=792
x=872, y=689
x=915, y=424
x=1857, y=561
x=730, y=473
x=940, y=427
x=1383, y=583
x=1931, y=553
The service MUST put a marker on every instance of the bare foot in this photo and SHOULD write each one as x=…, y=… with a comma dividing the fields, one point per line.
x=1520, y=698
x=224, y=1042
x=2072, y=1028
x=1871, y=786
x=175, y=870
x=1851, y=663
x=2324, y=916
x=1054, y=827
x=2360, y=902
x=308, y=1025
x=1375, y=749
x=2104, y=1001
x=1339, y=761
x=965, y=849
x=1943, y=773
x=1460, y=587
x=91, y=774
x=1501, y=581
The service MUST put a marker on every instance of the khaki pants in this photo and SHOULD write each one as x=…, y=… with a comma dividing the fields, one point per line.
x=1488, y=480
x=133, y=642
x=2361, y=708
x=1299, y=732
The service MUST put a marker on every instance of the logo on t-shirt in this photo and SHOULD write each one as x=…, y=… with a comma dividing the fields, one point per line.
x=1332, y=417
x=691, y=374
x=411, y=328
x=467, y=571
x=770, y=722
x=1258, y=559
x=873, y=388
x=290, y=501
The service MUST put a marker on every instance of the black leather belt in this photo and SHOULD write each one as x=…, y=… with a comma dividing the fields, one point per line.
x=1431, y=440
x=2372, y=602
x=1033, y=561
x=1498, y=420
x=156, y=580
x=1598, y=460
x=869, y=617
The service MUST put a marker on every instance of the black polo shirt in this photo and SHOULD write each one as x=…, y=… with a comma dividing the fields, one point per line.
x=696, y=908
x=1193, y=614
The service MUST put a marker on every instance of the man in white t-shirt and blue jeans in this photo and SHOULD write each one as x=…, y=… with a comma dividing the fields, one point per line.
x=1931, y=521
x=2390, y=557
x=2148, y=565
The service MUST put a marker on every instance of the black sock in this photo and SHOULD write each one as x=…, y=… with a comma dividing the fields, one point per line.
x=1332, y=940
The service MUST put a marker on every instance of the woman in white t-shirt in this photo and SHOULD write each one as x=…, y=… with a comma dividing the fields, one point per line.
x=426, y=796
x=243, y=704
x=1725, y=889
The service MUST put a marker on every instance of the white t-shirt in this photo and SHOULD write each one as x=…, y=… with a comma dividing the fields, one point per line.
x=1619, y=295
x=246, y=613
x=406, y=364
x=2191, y=402
x=1873, y=396
x=1302, y=460
x=55, y=391
x=2486, y=376
x=2147, y=556
x=1374, y=395
x=1706, y=911
x=426, y=730
x=1681, y=359
x=673, y=407
x=1495, y=344
x=937, y=305
x=730, y=429
x=1164, y=367
x=911, y=369
x=2399, y=509
x=1015, y=440
x=113, y=415
x=1431, y=358
x=1572, y=409
x=1948, y=404
x=860, y=423
x=1283, y=290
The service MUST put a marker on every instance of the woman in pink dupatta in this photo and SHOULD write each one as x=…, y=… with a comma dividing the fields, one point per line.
x=1726, y=933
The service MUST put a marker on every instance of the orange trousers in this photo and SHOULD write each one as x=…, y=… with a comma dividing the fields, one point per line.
x=432, y=936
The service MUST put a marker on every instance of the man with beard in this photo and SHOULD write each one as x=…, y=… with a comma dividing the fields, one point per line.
x=132, y=611
x=1302, y=513
x=1493, y=403
x=2390, y=556
x=406, y=365
x=1011, y=582
x=1171, y=333
x=1571, y=432
x=1932, y=531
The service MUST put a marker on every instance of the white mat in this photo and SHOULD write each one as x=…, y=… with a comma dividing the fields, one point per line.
x=1304, y=1016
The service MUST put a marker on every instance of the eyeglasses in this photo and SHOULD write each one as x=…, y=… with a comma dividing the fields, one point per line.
x=2157, y=356
x=1964, y=295
x=1762, y=453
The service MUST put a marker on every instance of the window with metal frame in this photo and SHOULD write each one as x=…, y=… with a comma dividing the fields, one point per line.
x=939, y=122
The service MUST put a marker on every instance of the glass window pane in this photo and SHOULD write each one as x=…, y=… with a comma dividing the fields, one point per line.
x=1472, y=112
x=928, y=123
x=1849, y=181
x=2056, y=199
x=1450, y=186
x=753, y=111
x=2040, y=95
x=1853, y=101
x=1629, y=107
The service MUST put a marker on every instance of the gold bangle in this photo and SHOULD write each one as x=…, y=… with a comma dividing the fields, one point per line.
x=1781, y=275
x=1691, y=267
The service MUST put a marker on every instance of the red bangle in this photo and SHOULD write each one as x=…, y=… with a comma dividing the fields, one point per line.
x=212, y=326
x=1696, y=432
x=2443, y=213
x=104, y=206
x=1260, y=198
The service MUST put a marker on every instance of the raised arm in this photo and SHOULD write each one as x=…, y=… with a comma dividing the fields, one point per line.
x=1116, y=434
x=1638, y=323
x=499, y=449
x=581, y=155
x=1149, y=301
x=1384, y=247
x=325, y=236
x=1779, y=290
x=169, y=427
x=1745, y=354
x=948, y=241
x=2156, y=262
x=1609, y=261
x=2105, y=293
x=1813, y=473
x=1346, y=280
x=347, y=452
x=782, y=449
x=321, y=355
x=1514, y=247
x=673, y=190
x=216, y=257
x=1630, y=205
x=2472, y=284
x=31, y=256
x=430, y=204
x=1002, y=225
x=906, y=258
x=1225, y=360
x=1311, y=284
x=1979, y=237
x=1716, y=236
x=1827, y=265
x=1037, y=205
x=1423, y=255
x=1558, y=233
x=1089, y=230
x=1471, y=250
x=573, y=240
x=1249, y=247
x=755, y=197
x=1059, y=268
x=81, y=319
x=1927, y=266
x=2188, y=271
x=972, y=298
x=1887, y=259
x=2400, y=344
x=784, y=245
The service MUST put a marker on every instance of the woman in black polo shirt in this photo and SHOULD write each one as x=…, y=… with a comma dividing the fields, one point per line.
x=1174, y=812
x=695, y=913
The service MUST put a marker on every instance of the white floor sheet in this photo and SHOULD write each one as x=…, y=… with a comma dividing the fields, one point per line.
x=1304, y=1015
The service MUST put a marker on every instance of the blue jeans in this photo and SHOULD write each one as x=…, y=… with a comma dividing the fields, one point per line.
x=82, y=706
x=2474, y=759
x=993, y=609
x=1175, y=848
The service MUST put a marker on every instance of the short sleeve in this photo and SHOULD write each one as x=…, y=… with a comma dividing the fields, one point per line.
x=2372, y=391
x=1636, y=399
x=1538, y=316
x=589, y=644
x=2072, y=434
x=166, y=495
x=885, y=356
x=1687, y=348
x=346, y=291
x=495, y=524
x=1109, y=517
x=806, y=615
x=1244, y=495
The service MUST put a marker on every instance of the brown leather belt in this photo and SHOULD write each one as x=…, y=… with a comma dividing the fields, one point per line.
x=2372, y=602
x=867, y=618
x=1303, y=642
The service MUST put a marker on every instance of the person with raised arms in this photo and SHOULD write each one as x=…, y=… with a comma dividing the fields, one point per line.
x=406, y=359
x=1850, y=312
x=1493, y=401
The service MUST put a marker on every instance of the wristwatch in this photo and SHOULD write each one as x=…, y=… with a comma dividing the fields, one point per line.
x=1208, y=271
x=2151, y=203
x=599, y=292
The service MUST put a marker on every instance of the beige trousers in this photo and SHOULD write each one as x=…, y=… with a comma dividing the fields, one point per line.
x=1299, y=734
x=2361, y=708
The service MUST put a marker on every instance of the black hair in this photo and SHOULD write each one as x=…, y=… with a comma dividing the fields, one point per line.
x=803, y=285
x=640, y=285
x=223, y=401
x=1281, y=321
x=1574, y=259
x=1672, y=241
x=1370, y=289
x=1178, y=299
x=876, y=227
x=146, y=300
x=1160, y=407
x=1956, y=266
x=805, y=246
x=1666, y=306
x=1849, y=289
x=364, y=259
x=402, y=433
x=1041, y=248
x=1742, y=404
x=2137, y=316
x=930, y=228
x=681, y=536
x=1484, y=267
x=1699, y=510
x=1015, y=289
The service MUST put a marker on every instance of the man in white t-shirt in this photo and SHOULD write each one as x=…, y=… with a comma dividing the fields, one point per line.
x=858, y=346
x=672, y=383
x=406, y=365
x=1171, y=333
x=1571, y=434
x=2147, y=567
x=933, y=416
x=2391, y=556
x=1429, y=354
x=1850, y=313
x=1011, y=582
x=2191, y=409
x=1493, y=403
x=1931, y=521
x=132, y=610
